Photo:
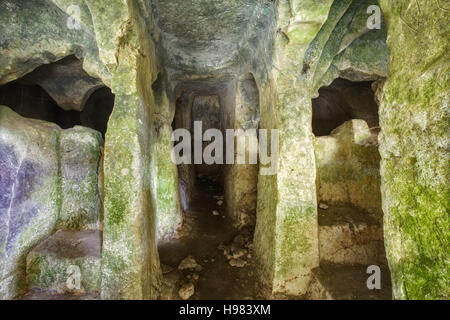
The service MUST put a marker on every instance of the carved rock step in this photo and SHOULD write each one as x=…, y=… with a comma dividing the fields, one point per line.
x=66, y=262
x=348, y=235
x=51, y=295
x=348, y=282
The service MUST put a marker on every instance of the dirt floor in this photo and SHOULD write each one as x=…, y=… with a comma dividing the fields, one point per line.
x=348, y=282
x=204, y=234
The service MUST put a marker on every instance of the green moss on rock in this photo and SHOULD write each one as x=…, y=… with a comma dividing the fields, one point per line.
x=414, y=149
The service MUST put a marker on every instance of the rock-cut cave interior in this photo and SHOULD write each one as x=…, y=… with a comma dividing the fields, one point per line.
x=95, y=97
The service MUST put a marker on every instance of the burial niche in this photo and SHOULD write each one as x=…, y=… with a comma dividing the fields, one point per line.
x=345, y=122
x=62, y=93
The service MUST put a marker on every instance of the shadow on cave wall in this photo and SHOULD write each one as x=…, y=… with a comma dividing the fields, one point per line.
x=28, y=96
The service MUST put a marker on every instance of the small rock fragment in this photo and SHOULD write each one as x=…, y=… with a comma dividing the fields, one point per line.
x=323, y=206
x=186, y=291
x=220, y=202
x=188, y=263
x=216, y=213
x=238, y=263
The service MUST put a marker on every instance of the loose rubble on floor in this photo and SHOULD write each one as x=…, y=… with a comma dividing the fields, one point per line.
x=323, y=206
x=191, y=269
x=240, y=251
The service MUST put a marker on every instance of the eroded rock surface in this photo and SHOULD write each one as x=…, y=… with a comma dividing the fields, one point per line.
x=80, y=150
x=30, y=192
x=28, y=43
x=33, y=197
x=414, y=149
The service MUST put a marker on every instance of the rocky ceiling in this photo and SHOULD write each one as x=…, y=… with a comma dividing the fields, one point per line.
x=205, y=35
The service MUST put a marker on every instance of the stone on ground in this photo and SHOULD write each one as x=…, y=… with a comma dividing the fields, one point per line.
x=189, y=263
x=323, y=206
x=186, y=291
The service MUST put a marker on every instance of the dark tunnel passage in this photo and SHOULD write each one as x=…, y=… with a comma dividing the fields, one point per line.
x=341, y=101
x=218, y=199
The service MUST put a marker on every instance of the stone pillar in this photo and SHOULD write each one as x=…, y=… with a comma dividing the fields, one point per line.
x=286, y=235
x=164, y=173
x=130, y=262
x=241, y=190
x=130, y=258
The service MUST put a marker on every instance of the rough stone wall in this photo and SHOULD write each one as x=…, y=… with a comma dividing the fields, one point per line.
x=207, y=110
x=30, y=195
x=315, y=44
x=242, y=188
x=344, y=100
x=117, y=43
x=164, y=174
x=80, y=150
x=48, y=180
x=414, y=118
x=130, y=262
x=348, y=166
x=39, y=35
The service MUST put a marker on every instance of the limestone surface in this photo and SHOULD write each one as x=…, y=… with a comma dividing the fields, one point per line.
x=158, y=55
x=80, y=150
x=40, y=164
x=414, y=150
x=348, y=235
x=40, y=35
x=130, y=262
x=68, y=261
x=30, y=196
x=348, y=167
x=66, y=82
